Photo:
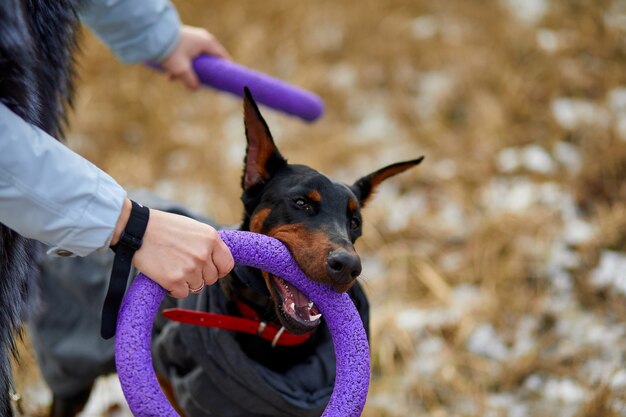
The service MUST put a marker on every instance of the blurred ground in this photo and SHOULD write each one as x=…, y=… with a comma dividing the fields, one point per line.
x=497, y=269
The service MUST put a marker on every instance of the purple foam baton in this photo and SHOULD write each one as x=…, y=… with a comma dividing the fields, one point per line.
x=134, y=327
x=231, y=77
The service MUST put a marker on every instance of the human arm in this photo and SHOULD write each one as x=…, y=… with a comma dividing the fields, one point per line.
x=151, y=31
x=178, y=252
x=51, y=194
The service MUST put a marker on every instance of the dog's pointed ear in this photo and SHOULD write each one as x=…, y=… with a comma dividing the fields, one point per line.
x=365, y=186
x=262, y=156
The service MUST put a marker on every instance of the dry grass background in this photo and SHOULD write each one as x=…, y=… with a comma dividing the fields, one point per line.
x=496, y=270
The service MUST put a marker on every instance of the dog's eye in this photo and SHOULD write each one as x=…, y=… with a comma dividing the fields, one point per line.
x=355, y=223
x=301, y=203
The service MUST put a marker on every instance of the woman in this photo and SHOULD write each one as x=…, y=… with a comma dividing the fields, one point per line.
x=51, y=194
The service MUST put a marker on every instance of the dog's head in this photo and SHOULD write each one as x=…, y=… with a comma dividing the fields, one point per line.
x=318, y=219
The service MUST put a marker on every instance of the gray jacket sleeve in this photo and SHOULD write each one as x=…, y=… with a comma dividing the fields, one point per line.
x=52, y=194
x=135, y=30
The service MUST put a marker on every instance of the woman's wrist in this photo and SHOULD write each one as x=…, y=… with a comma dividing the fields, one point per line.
x=121, y=222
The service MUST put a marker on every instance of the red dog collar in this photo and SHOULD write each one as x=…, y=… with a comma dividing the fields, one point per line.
x=271, y=332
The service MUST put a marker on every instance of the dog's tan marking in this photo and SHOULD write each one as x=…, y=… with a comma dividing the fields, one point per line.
x=258, y=219
x=308, y=248
x=352, y=205
x=314, y=195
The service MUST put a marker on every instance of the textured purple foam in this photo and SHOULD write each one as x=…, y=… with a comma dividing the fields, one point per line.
x=231, y=77
x=132, y=345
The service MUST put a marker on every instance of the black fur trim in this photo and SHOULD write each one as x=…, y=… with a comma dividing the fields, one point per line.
x=37, y=38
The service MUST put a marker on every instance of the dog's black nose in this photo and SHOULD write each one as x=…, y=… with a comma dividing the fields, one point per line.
x=342, y=266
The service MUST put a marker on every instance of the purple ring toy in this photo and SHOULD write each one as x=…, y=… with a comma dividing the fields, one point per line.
x=134, y=326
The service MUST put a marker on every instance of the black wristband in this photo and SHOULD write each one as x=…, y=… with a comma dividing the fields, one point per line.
x=130, y=241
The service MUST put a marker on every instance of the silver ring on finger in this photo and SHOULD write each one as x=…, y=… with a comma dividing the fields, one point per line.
x=197, y=290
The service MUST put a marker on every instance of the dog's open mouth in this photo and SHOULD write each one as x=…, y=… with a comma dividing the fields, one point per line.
x=297, y=312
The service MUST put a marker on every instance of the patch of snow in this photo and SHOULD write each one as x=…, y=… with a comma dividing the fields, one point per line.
x=548, y=40
x=586, y=329
x=524, y=336
x=600, y=369
x=535, y=158
x=486, y=341
x=465, y=297
x=449, y=262
x=445, y=169
x=425, y=27
x=452, y=217
x=508, y=403
x=615, y=20
x=326, y=36
x=534, y=383
x=416, y=319
x=611, y=271
x=577, y=231
x=413, y=207
x=618, y=381
x=388, y=402
x=527, y=11
x=569, y=156
x=375, y=124
x=434, y=88
x=616, y=99
x=504, y=195
x=562, y=257
x=373, y=267
x=342, y=76
x=562, y=282
x=412, y=319
x=428, y=359
x=573, y=113
x=564, y=390
x=508, y=160
x=518, y=194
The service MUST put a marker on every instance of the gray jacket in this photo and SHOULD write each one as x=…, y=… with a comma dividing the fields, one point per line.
x=50, y=193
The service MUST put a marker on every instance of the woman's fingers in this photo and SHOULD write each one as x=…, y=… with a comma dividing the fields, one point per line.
x=210, y=273
x=181, y=254
x=193, y=42
x=222, y=259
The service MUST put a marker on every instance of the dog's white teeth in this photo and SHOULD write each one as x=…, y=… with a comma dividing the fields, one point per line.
x=310, y=305
x=293, y=306
x=315, y=317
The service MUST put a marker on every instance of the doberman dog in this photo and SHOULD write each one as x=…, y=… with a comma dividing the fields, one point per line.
x=319, y=220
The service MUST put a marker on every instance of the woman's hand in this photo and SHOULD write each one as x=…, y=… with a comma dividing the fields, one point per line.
x=179, y=253
x=193, y=42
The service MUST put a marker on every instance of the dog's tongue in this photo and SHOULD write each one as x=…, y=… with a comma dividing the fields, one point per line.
x=296, y=304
